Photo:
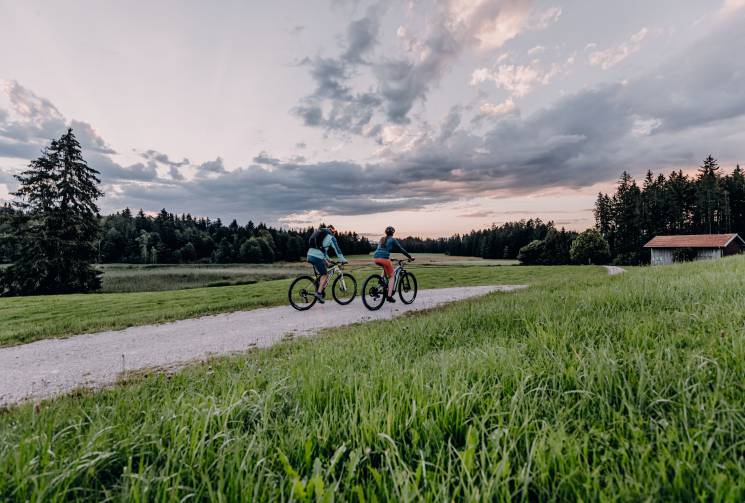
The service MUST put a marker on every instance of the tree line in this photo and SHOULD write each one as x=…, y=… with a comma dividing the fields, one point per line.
x=497, y=242
x=708, y=202
x=168, y=238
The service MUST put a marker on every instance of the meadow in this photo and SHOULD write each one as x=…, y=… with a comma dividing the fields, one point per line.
x=583, y=386
x=25, y=319
x=124, y=278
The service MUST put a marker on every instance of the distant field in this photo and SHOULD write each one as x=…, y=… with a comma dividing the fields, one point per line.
x=583, y=387
x=152, y=278
x=438, y=259
x=30, y=318
x=121, y=278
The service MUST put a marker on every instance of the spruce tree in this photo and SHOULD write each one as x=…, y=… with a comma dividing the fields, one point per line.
x=57, y=225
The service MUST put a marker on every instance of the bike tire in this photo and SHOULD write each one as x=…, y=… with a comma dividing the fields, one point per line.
x=301, y=283
x=351, y=285
x=407, y=288
x=374, y=291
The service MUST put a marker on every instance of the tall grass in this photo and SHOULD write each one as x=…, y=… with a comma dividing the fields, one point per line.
x=121, y=278
x=626, y=388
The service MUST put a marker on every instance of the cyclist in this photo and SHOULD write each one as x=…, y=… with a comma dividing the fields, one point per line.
x=320, y=242
x=382, y=257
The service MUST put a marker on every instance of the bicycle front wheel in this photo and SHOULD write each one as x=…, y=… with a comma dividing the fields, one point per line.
x=302, y=293
x=344, y=289
x=373, y=292
x=407, y=288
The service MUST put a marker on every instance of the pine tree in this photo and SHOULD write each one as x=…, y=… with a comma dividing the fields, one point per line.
x=57, y=228
x=708, y=197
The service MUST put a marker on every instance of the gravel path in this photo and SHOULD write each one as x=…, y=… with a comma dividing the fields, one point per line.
x=613, y=269
x=49, y=367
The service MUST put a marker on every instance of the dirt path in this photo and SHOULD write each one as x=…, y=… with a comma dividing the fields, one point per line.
x=49, y=367
x=613, y=269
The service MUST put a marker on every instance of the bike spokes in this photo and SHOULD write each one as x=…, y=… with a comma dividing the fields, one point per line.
x=302, y=293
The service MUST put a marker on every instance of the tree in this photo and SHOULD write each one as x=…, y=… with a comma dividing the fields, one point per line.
x=590, y=248
x=708, y=197
x=57, y=225
x=532, y=253
x=251, y=251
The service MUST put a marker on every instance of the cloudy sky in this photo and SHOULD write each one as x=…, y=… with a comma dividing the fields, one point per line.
x=432, y=116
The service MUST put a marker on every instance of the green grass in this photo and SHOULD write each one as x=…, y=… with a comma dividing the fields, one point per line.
x=27, y=319
x=626, y=388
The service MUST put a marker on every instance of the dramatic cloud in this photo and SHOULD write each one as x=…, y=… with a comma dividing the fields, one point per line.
x=402, y=81
x=503, y=142
x=32, y=121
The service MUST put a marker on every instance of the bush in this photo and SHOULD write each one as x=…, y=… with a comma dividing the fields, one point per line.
x=590, y=248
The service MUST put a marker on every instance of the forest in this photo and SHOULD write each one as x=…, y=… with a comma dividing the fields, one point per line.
x=708, y=202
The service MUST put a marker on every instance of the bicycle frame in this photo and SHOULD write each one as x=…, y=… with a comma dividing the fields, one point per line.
x=332, y=272
x=397, y=273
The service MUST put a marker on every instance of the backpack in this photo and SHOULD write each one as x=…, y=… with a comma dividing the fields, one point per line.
x=316, y=239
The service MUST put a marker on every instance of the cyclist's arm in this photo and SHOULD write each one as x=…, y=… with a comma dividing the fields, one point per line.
x=337, y=251
x=396, y=244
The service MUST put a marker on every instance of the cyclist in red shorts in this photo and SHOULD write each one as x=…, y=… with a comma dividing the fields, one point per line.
x=382, y=257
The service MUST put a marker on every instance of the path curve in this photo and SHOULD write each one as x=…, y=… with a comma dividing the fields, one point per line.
x=614, y=269
x=46, y=368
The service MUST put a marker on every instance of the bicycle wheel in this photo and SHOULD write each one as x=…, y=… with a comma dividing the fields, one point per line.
x=344, y=289
x=407, y=288
x=302, y=293
x=373, y=292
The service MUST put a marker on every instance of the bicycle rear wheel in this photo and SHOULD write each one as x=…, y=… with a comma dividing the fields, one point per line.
x=373, y=292
x=344, y=289
x=407, y=288
x=302, y=293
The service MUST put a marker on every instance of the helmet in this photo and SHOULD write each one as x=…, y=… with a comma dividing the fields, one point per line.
x=389, y=231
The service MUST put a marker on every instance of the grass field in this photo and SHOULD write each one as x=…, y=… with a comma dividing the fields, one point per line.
x=31, y=318
x=125, y=278
x=587, y=387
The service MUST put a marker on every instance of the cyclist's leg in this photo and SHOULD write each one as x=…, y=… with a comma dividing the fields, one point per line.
x=387, y=266
x=320, y=267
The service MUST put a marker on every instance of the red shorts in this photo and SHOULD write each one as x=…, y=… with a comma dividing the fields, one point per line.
x=386, y=264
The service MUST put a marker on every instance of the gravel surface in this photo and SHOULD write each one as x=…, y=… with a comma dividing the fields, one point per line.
x=613, y=269
x=49, y=367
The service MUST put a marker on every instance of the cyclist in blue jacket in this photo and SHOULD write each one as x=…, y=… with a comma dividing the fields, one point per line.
x=382, y=257
x=320, y=242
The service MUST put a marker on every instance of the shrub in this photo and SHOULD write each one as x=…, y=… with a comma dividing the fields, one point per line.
x=590, y=248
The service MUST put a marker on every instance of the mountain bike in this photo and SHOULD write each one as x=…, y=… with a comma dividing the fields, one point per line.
x=375, y=288
x=302, y=291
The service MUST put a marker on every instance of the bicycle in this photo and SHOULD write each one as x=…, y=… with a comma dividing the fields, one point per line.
x=375, y=288
x=302, y=291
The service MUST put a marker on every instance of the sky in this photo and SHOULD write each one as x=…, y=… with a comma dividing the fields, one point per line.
x=435, y=117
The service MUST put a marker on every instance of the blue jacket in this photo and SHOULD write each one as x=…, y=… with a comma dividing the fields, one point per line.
x=390, y=244
x=329, y=241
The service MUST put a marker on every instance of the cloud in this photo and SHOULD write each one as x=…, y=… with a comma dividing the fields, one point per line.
x=614, y=55
x=504, y=108
x=112, y=172
x=154, y=155
x=731, y=7
x=33, y=122
x=211, y=168
x=264, y=158
x=670, y=116
x=402, y=80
